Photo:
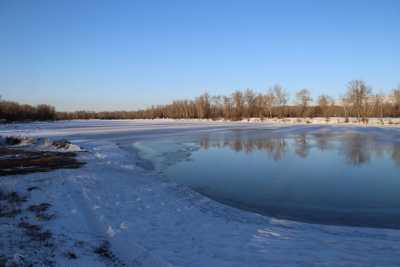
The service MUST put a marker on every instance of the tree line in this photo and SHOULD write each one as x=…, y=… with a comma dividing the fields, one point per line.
x=359, y=101
x=13, y=111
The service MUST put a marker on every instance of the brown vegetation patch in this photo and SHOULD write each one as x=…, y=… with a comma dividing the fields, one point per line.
x=103, y=250
x=12, y=197
x=17, y=161
x=12, y=141
x=35, y=232
x=40, y=211
x=71, y=255
x=9, y=211
x=39, y=208
x=31, y=188
x=10, y=204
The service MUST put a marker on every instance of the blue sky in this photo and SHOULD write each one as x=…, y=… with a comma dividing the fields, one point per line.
x=108, y=55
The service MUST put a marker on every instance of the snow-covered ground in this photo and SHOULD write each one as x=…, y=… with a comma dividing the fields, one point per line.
x=120, y=197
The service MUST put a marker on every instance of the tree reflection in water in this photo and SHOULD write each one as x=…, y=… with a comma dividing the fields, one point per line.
x=356, y=148
x=396, y=154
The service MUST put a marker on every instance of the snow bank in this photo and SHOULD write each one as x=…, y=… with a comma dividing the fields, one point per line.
x=58, y=145
x=42, y=144
x=375, y=122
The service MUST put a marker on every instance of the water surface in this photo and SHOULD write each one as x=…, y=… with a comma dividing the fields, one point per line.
x=325, y=177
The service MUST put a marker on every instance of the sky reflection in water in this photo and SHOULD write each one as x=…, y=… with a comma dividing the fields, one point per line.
x=349, y=178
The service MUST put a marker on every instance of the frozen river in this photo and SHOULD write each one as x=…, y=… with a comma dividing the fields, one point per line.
x=231, y=194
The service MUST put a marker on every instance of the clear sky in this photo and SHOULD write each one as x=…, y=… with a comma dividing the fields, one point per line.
x=108, y=55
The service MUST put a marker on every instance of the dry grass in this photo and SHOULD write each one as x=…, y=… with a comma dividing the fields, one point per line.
x=10, y=204
x=17, y=161
x=35, y=232
x=103, y=250
x=40, y=211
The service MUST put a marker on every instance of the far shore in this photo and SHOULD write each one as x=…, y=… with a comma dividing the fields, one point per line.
x=334, y=121
x=340, y=121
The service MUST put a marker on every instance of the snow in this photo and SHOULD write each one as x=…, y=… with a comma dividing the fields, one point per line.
x=120, y=195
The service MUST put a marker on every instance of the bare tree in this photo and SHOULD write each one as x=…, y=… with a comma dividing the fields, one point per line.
x=227, y=108
x=216, y=107
x=396, y=101
x=269, y=100
x=203, y=106
x=357, y=95
x=377, y=107
x=346, y=105
x=250, y=102
x=281, y=99
x=303, y=99
x=324, y=104
x=259, y=106
x=237, y=98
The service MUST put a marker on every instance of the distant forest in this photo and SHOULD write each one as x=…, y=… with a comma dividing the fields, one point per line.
x=359, y=101
x=13, y=111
